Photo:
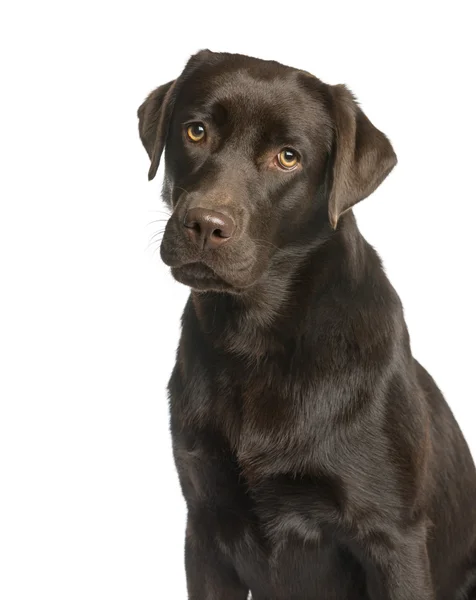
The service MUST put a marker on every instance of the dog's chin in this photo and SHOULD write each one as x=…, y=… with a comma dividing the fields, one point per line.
x=202, y=278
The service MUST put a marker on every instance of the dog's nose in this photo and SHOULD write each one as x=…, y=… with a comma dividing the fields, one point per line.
x=207, y=228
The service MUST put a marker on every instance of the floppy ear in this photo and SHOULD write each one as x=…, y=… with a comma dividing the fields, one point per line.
x=154, y=114
x=363, y=156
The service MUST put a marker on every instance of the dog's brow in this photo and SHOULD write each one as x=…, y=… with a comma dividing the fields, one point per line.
x=195, y=115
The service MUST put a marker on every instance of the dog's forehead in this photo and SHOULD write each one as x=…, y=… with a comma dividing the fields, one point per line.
x=264, y=90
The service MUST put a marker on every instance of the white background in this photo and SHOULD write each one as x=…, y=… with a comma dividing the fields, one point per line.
x=90, y=505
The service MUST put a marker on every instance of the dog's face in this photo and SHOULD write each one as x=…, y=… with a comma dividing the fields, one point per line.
x=260, y=158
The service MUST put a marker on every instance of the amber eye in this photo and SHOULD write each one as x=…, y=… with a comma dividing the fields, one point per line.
x=288, y=158
x=196, y=132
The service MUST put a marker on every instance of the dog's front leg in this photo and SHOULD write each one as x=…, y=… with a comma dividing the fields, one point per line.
x=210, y=576
x=397, y=567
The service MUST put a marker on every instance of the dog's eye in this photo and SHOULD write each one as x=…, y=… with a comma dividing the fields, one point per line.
x=288, y=158
x=196, y=132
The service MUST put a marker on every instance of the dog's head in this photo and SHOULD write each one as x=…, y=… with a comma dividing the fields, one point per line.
x=260, y=158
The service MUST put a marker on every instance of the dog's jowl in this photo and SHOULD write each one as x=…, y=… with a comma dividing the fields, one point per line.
x=317, y=457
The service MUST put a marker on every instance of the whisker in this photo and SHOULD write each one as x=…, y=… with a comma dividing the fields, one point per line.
x=157, y=234
x=163, y=212
x=270, y=244
x=183, y=189
x=157, y=221
x=156, y=238
x=158, y=248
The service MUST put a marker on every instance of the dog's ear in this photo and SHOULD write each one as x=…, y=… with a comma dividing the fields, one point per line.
x=362, y=156
x=154, y=115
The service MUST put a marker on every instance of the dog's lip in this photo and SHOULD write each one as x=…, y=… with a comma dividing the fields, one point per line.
x=197, y=269
x=200, y=276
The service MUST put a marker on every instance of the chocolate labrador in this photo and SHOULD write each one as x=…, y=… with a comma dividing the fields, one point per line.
x=317, y=457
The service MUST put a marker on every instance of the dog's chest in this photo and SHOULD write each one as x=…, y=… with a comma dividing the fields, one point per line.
x=250, y=426
x=278, y=432
x=267, y=417
x=242, y=463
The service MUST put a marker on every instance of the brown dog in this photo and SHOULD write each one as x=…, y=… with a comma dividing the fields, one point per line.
x=318, y=459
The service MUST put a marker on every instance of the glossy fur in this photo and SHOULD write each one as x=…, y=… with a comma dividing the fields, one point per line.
x=317, y=458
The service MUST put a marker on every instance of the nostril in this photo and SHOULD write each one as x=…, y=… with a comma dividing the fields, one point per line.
x=220, y=233
x=194, y=225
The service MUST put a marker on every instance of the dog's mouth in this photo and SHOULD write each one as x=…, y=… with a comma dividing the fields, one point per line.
x=199, y=276
x=233, y=271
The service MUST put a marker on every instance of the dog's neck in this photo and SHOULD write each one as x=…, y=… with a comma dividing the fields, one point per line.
x=262, y=314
